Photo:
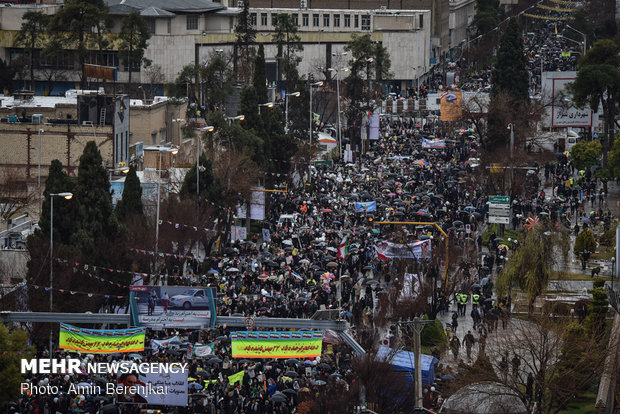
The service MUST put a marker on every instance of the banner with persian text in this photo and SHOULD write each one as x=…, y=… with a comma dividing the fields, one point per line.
x=253, y=344
x=102, y=341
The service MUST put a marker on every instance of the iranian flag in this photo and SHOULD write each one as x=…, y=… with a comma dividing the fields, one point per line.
x=343, y=249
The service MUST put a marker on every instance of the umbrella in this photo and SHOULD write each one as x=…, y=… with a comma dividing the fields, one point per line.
x=335, y=375
x=287, y=242
x=326, y=210
x=457, y=223
x=212, y=271
x=84, y=384
x=223, y=338
x=195, y=386
x=332, y=264
x=291, y=361
x=202, y=373
x=586, y=220
x=278, y=398
x=304, y=261
x=136, y=356
x=232, y=269
x=372, y=282
x=470, y=208
x=214, y=360
x=101, y=398
x=291, y=374
x=325, y=366
x=499, y=240
x=319, y=382
x=289, y=391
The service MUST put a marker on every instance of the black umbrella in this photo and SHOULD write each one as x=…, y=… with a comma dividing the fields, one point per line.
x=223, y=339
x=214, y=360
x=291, y=374
x=278, y=398
x=202, y=373
x=325, y=366
x=289, y=392
x=291, y=361
x=335, y=375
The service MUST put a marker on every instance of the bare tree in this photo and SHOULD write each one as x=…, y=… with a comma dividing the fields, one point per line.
x=15, y=196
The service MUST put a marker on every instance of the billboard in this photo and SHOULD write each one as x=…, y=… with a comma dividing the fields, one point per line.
x=102, y=341
x=159, y=307
x=451, y=106
x=563, y=111
x=156, y=388
x=259, y=344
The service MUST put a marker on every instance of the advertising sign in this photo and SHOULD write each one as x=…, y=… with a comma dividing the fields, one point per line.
x=451, y=106
x=101, y=341
x=155, y=388
x=563, y=111
x=159, y=307
x=259, y=344
x=365, y=207
x=419, y=249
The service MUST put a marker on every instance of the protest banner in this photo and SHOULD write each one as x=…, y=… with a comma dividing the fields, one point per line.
x=419, y=249
x=258, y=344
x=155, y=388
x=365, y=207
x=101, y=341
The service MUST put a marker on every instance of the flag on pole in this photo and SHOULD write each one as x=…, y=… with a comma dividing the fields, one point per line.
x=343, y=249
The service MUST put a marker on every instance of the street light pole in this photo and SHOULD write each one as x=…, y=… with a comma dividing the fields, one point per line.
x=318, y=84
x=295, y=94
x=67, y=196
x=338, y=98
x=268, y=105
x=174, y=152
x=584, y=38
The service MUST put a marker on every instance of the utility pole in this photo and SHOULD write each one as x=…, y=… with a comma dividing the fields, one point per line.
x=417, y=324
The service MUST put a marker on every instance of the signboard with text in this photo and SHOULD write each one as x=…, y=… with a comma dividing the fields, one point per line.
x=563, y=111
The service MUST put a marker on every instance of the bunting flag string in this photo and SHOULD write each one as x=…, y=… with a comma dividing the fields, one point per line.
x=538, y=16
x=161, y=254
x=75, y=292
x=185, y=226
x=555, y=9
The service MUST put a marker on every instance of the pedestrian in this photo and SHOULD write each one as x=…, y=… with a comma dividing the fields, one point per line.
x=165, y=300
x=455, y=321
x=503, y=367
x=455, y=346
x=516, y=363
x=469, y=341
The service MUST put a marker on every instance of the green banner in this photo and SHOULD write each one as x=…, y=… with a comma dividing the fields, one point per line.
x=305, y=344
x=101, y=341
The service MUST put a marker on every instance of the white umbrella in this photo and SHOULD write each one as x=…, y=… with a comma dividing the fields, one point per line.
x=232, y=269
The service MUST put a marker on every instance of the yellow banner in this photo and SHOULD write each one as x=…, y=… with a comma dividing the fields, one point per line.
x=101, y=341
x=305, y=344
x=451, y=106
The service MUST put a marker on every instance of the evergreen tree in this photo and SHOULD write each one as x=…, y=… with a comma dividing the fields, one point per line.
x=13, y=347
x=30, y=35
x=259, y=79
x=131, y=203
x=244, y=43
x=210, y=188
x=7, y=73
x=249, y=107
x=510, y=73
x=64, y=210
x=95, y=222
x=134, y=36
x=288, y=41
x=72, y=24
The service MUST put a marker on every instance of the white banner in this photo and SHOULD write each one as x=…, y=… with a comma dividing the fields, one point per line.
x=419, y=249
x=164, y=388
x=202, y=350
x=563, y=111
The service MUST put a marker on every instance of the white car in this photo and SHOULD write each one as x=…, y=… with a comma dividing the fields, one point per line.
x=190, y=299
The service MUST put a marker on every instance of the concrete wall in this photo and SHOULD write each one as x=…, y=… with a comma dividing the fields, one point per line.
x=152, y=124
x=13, y=265
x=461, y=15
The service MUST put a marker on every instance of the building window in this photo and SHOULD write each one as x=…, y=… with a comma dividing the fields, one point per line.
x=336, y=20
x=254, y=19
x=296, y=19
x=366, y=22
x=326, y=20
x=263, y=19
x=154, y=138
x=192, y=22
x=347, y=20
x=151, y=23
x=169, y=25
x=305, y=20
x=315, y=20
x=274, y=19
x=356, y=19
x=421, y=21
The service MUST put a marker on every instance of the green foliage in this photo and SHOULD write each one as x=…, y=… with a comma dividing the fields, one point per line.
x=134, y=36
x=586, y=154
x=95, y=223
x=244, y=43
x=597, y=312
x=433, y=334
x=216, y=80
x=7, y=73
x=584, y=241
x=259, y=79
x=613, y=164
x=13, y=347
x=210, y=188
x=30, y=35
x=131, y=203
x=488, y=15
x=510, y=74
x=530, y=266
x=289, y=45
x=72, y=23
x=64, y=210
